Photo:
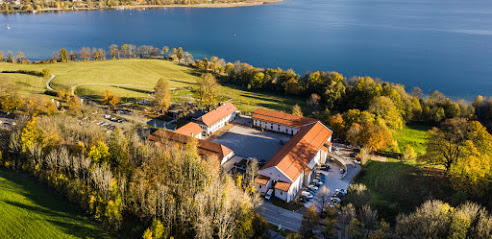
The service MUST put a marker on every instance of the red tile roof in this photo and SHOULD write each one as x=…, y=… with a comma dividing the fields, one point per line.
x=262, y=179
x=282, y=186
x=293, y=158
x=190, y=129
x=281, y=118
x=205, y=148
x=216, y=115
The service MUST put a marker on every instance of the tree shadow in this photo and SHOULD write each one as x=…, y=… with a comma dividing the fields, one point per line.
x=51, y=206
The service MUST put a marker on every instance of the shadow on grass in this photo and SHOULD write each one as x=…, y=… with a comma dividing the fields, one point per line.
x=399, y=187
x=54, y=208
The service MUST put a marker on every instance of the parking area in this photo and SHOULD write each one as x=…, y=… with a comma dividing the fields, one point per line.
x=250, y=142
x=6, y=123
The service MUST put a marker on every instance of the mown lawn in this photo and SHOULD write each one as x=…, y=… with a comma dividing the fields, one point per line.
x=400, y=186
x=414, y=135
x=141, y=75
x=29, y=209
x=26, y=84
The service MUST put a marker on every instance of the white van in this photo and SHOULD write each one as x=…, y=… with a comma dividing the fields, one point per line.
x=269, y=193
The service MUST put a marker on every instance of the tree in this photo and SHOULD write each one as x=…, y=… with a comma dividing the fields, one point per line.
x=296, y=110
x=207, y=90
x=114, y=52
x=46, y=72
x=110, y=99
x=157, y=229
x=409, y=153
x=63, y=55
x=309, y=224
x=384, y=108
x=322, y=199
x=99, y=152
x=162, y=98
x=85, y=53
x=165, y=50
x=147, y=234
x=313, y=100
x=179, y=54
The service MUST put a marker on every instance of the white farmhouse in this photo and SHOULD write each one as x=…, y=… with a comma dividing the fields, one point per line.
x=191, y=129
x=279, y=121
x=217, y=118
x=291, y=167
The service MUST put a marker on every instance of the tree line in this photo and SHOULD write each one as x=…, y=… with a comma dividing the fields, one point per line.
x=32, y=6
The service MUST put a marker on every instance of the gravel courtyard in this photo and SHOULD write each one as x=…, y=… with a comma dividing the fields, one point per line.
x=249, y=142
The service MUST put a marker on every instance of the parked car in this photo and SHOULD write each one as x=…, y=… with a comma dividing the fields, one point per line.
x=10, y=123
x=319, y=184
x=120, y=120
x=337, y=151
x=324, y=167
x=107, y=116
x=307, y=195
x=269, y=193
x=302, y=199
x=335, y=201
x=1, y=122
x=313, y=187
x=353, y=155
x=114, y=119
x=343, y=191
x=338, y=195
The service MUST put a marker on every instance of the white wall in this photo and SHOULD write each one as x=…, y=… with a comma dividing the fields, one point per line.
x=227, y=157
x=263, y=188
x=275, y=127
x=221, y=123
x=275, y=174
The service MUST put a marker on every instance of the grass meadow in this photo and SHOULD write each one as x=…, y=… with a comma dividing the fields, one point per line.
x=415, y=136
x=29, y=209
x=136, y=77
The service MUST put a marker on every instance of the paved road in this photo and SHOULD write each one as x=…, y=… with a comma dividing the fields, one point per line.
x=279, y=216
x=48, y=86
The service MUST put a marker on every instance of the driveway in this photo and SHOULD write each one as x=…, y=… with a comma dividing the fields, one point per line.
x=280, y=217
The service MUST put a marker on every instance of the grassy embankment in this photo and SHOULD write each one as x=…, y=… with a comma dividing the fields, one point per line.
x=29, y=209
x=400, y=186
x=138, y=76
x=27, y=84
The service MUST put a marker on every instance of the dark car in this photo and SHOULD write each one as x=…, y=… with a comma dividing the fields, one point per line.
x=338, y=195
x=353, y=155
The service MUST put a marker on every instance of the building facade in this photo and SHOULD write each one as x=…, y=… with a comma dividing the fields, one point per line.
x=217, y=118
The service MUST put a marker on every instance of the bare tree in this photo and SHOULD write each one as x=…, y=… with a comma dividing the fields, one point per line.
x=322, y=199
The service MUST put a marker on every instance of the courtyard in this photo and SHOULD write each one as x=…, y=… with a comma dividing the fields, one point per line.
x=250, y=142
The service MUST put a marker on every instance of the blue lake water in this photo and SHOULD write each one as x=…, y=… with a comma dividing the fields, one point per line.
x=433, y=44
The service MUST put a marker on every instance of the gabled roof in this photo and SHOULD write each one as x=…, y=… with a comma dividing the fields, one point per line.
x=217, y=114
x=205, y=148
x=293, y=158
x=281, y=118
x=190, y=129
x=282, y=186
x=262, y=179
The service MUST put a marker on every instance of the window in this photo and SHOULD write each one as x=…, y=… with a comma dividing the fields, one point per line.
x=260, y=186
x=281, y=192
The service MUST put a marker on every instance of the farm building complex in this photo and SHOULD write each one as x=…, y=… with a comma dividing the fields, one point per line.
x=292, y=167
x=217, y=118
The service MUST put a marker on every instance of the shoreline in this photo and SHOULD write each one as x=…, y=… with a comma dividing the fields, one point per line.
x=144, y=7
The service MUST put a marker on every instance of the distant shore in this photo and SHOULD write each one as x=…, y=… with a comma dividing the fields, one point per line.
x=136, y=7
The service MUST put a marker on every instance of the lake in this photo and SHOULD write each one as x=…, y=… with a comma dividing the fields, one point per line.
x=433, y=44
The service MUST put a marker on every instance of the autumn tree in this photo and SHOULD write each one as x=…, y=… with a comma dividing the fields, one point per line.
x=207, y=90
x=63, y=55
x=162, y=97
x=296, y=110
x=110, y=99
x=464, y=149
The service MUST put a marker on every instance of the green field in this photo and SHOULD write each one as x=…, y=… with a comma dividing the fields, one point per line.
x=30, y=210
x=400, y=186
x=415, y=136
x=136, y=77
x=26, y=84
